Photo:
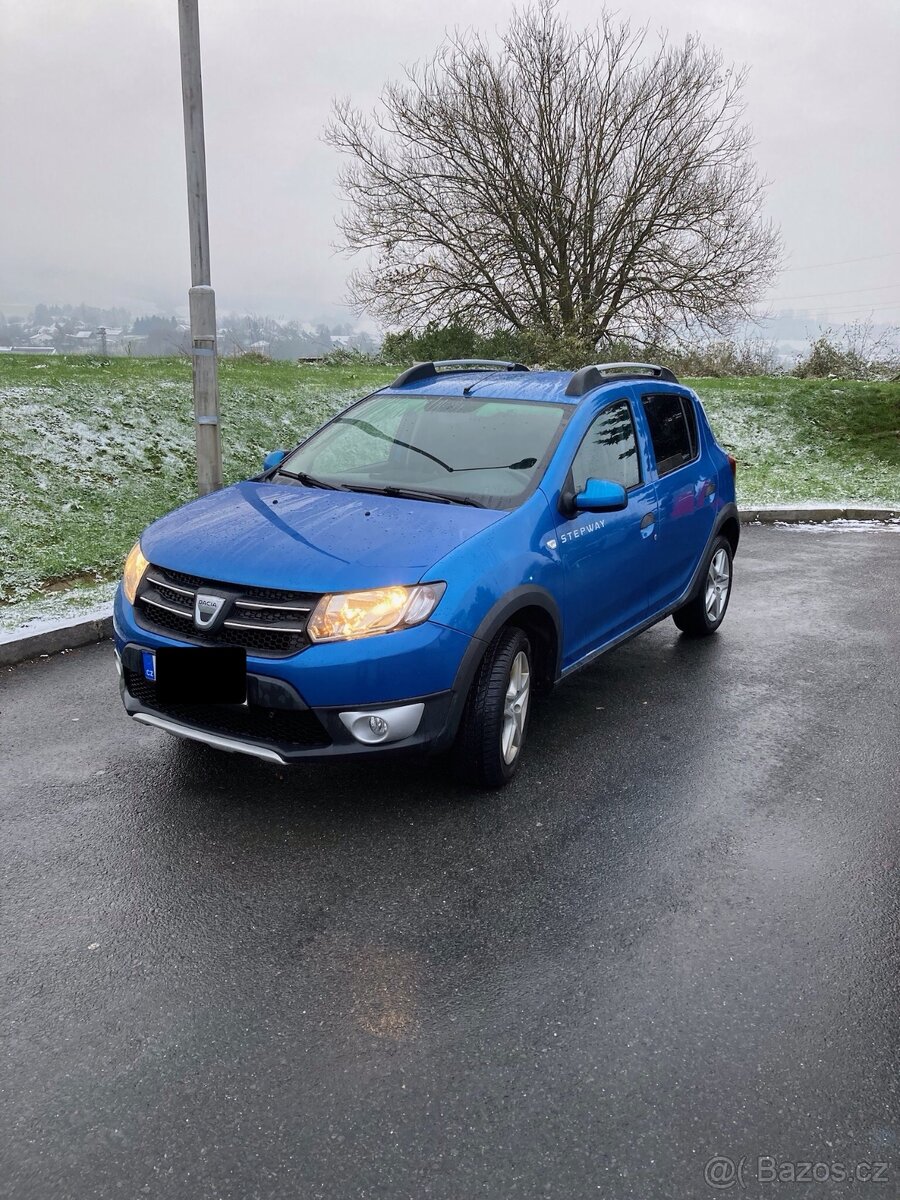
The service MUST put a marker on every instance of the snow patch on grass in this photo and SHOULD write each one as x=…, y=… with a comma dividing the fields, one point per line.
x=55, y=609
x=842, y=525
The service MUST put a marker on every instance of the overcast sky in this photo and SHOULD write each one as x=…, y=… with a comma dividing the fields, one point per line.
x=92, y=192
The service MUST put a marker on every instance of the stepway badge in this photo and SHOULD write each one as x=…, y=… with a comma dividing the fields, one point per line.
x=581, y=531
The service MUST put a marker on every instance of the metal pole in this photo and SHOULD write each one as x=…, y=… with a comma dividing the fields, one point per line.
x=201, y=296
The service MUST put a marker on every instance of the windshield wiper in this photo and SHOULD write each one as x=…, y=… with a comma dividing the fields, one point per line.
x=415, y=494
x=311, y=480
x=522, y=465
x=366, y=427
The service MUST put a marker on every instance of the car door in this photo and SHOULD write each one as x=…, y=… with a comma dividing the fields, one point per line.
x=685, y=491
x=606, y=555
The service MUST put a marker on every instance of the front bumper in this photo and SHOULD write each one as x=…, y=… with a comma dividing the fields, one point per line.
x=277, y=725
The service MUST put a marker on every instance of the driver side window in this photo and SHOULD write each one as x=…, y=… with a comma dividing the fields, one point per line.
x=609, y=449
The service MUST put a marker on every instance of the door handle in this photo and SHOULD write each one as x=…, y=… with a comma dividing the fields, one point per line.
x=647, y=523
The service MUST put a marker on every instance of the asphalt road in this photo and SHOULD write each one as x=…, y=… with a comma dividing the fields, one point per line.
x=674, y=936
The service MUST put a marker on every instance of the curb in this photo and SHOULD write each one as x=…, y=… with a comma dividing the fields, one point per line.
x=20, y=647
x=768, y=514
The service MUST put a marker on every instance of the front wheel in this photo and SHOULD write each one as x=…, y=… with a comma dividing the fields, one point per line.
x=705, y=613
x=495, y=721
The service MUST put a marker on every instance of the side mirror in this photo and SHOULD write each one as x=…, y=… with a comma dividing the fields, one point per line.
x=273, y=459
x=601, y=495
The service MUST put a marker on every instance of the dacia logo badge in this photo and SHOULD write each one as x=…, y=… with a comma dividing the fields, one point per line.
x=207, y=609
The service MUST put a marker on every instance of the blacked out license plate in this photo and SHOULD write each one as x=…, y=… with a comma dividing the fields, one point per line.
x=207, y=675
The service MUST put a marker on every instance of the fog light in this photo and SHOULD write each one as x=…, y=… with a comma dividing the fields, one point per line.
x=385, y=725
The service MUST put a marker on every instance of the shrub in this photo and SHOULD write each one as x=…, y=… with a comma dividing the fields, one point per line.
x=346, y=355
x=725, y=357
x=857, y=352
x=555, y=351
x=453, y=340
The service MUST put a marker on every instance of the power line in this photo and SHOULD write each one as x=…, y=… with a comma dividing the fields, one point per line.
x=843, y=262
x=845, y=292
x=847, y=309
x=861, y=308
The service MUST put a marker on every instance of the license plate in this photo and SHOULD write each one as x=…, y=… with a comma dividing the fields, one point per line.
x=207, y=675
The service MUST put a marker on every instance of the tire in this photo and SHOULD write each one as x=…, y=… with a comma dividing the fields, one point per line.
x=488, y=748
x=704, y=614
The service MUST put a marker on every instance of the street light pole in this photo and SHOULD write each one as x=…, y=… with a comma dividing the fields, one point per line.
x=201, y=295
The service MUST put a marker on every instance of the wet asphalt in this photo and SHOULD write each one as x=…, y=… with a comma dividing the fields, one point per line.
x=674, y=936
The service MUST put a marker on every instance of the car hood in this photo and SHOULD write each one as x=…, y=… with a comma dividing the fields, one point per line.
x=309, y=539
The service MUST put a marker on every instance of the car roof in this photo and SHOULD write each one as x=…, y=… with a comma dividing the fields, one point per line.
x=513, y=381
x=496, y=385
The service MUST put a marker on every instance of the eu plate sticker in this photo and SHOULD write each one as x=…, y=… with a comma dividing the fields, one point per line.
x=149, y=660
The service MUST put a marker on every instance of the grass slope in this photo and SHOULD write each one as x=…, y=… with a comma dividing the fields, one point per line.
x=830, y=440
x=92, y=451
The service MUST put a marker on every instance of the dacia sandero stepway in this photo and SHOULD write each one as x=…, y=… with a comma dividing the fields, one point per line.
x=412, y=573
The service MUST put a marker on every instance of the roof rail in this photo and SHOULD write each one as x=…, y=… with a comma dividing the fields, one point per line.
x=588, y=378
x=428, y=370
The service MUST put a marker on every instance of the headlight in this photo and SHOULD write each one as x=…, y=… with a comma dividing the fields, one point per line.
x=360, y=614
x=135, y=566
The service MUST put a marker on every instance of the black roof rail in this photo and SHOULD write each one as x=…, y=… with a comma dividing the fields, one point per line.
x=588, y=378
x=428, y=370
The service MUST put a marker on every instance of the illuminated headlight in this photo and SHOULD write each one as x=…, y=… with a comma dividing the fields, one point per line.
x=135, y=566
x=360, y=614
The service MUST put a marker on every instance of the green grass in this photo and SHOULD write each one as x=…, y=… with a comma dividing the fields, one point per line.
x=829, y=440
x=92, y=451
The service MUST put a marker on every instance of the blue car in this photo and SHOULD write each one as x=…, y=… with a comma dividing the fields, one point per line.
x=410, y=575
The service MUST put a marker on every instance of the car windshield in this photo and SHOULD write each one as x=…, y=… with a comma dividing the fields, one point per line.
x=457, y=448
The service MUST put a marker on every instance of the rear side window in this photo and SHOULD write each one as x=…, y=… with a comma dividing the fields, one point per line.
x=609, y=450
x=673, y=430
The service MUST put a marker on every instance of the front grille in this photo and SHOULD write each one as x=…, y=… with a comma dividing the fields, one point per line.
x=268, y=622
x=288, y=728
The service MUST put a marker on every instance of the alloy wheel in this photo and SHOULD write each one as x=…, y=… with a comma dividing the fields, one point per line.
x=718, y=581
x=515, y=707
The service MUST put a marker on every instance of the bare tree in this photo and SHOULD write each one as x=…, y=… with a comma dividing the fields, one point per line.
x=576, y=183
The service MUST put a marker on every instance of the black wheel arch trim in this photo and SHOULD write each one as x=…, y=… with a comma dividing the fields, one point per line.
x=727, y=513
x=499, y=615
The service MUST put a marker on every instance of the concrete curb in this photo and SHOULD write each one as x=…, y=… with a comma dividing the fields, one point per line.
x=769, y=514
x=20, y=648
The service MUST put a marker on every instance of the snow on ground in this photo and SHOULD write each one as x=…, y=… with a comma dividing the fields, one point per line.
x=54, y=610
x=840, y=526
